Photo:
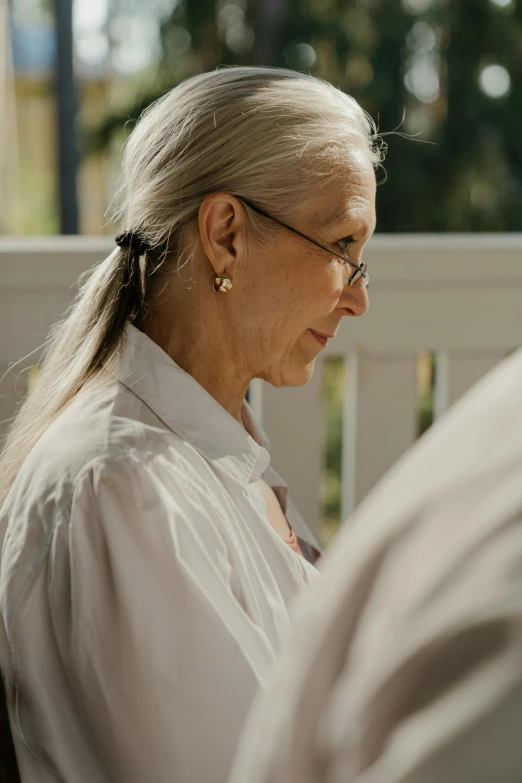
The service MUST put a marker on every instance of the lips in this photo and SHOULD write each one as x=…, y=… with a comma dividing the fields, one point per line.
x=323, y=339
x=322, y=334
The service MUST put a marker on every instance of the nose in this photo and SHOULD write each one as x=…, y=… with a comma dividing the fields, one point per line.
x=354, y=300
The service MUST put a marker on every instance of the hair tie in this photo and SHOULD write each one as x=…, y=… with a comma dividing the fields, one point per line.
x=136, y=243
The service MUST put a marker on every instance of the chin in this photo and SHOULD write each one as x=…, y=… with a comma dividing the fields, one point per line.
x=296, y=375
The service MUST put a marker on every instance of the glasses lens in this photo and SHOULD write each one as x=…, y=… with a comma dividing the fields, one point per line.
x=362, y=272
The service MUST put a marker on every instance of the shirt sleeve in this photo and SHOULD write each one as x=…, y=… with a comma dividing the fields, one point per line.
x=160, y=656
x=406, y=667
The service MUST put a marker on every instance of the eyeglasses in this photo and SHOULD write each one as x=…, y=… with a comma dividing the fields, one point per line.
x=360, y=269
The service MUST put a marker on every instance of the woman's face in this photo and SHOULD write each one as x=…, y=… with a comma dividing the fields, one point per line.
x=296, y=287
x=288, y=288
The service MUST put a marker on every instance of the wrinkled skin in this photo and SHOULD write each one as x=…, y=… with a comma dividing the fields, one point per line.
x=281, y=290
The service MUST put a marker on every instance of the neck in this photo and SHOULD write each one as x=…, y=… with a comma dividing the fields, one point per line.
x=206, y=355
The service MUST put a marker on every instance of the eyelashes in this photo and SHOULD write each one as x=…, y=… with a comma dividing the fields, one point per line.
x=346, y=242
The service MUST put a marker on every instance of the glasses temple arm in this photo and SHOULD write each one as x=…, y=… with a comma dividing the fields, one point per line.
x=299, y=233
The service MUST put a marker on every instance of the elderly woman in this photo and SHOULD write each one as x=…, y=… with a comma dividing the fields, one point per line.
x=148, y=561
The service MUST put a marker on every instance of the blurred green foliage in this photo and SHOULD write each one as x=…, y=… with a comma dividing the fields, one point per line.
x=425, y=386
x=333, y=385
x=421, y=60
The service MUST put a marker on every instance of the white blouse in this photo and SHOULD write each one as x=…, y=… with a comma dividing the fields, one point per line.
x=143, y=592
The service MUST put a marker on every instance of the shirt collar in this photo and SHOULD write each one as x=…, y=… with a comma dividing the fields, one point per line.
x=190, y=411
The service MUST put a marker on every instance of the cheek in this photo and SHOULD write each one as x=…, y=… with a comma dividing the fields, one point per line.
x=296, y=292
x=310, y=305
x=320, y=292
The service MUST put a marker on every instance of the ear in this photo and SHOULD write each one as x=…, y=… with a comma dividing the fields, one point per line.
x=222, y=230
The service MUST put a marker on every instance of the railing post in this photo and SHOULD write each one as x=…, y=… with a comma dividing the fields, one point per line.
x=380, y=420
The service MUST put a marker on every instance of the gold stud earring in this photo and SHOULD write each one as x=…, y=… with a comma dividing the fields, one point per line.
x=223, y=284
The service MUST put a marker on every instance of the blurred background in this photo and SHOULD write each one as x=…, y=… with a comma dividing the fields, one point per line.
x=76, y=74
x=452, y=69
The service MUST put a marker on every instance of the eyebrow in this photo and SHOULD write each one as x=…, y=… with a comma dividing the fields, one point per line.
x=325, y=219
x=336, y=217
x=342, y=215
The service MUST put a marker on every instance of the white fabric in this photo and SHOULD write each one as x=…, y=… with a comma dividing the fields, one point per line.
x=406, y=663
x=144, y=593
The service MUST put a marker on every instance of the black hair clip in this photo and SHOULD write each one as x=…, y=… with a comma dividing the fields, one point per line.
x=136, y=243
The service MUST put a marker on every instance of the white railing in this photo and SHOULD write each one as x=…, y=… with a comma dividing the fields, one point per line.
x=459, y=296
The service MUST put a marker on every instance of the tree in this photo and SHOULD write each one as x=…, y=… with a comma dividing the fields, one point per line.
x=386, y=55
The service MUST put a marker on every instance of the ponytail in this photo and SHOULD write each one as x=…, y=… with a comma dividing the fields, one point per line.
x=89, y=336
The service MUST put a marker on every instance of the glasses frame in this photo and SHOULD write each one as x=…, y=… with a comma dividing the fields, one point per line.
x=361, y=270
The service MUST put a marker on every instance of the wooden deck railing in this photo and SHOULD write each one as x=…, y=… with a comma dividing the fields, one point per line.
x=457, y=296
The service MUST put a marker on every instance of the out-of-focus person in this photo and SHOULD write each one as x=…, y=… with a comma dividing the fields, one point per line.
x=406, y=664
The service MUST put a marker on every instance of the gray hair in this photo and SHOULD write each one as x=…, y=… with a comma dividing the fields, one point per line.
x=270, y=135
